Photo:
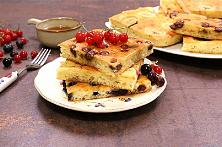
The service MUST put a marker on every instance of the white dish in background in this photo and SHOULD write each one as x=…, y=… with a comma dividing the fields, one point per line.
x=50, y=89
x=176, y=49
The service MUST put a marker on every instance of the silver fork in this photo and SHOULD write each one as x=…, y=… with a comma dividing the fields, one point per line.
x=36, y=63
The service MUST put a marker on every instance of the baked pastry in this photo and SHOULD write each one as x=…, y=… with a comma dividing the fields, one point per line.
x=209, y=8
x=113, y=60
x=151, y=26
x=71, y=71
x=197, y=26
x=83, y=91
x=170, y=7
x=196, y=45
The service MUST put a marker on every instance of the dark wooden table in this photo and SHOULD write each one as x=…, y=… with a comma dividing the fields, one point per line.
x=188, y=113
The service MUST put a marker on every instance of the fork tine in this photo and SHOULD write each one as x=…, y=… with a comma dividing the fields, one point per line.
x=45, y=58
x=39, y=54
x=41, y=58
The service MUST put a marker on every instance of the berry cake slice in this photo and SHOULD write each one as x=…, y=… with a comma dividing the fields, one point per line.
x=71, y=71
x=77, y=91
x=197, y=26
x=112, y=60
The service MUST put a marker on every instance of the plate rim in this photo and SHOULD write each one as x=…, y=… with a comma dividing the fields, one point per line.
x=133, y=106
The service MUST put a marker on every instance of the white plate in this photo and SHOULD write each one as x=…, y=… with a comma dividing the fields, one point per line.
x=176, y=49
x=50, y=89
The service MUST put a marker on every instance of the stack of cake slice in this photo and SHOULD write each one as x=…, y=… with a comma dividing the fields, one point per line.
x=90, y=72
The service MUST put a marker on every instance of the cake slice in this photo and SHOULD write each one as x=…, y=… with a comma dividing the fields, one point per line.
x=170, y=7
x=83, y=91
x=151, y=26
x=209, y=8
x=196, y=45
x=197, y=26
x=112, y=60
x=71, y=71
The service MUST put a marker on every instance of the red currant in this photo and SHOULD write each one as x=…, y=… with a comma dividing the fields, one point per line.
x=157, y=69
x=89, y=40
x=80, y=37
x=1, y=54
x=24, y=40
x=98, y=37
x=8, y=32
x=107, y=34
x=17, y=58
x=114, y=38
x=2, y=41
x=7, y=39
x=23, y=55
x=34, y=54
x=14, y=36
x=123, y=37
x=90, y=34
x=19, y=33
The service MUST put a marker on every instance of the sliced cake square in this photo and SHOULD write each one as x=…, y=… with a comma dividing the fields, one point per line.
x=148, y=25
x=196, y=45
x=83, y=91
x=113, y=60
x=209, y=8
x=75, y=72
x=197, y=26
x=170, y=7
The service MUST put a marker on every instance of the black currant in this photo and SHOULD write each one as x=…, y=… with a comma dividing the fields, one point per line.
x=160, y=81
x=19, y=44
x=13, y=53
x=8, y=48
x=152, y=76
x=7, y=62
x=145, y=69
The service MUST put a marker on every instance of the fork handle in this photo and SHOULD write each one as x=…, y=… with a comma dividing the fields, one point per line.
x=8, y=80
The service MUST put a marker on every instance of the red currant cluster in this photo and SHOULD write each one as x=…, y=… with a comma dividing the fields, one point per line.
x=101, y=38
x=7, y=36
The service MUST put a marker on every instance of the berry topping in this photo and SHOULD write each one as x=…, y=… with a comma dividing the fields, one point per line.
x=157, y=69
x=123, y=37
x=146, y=69
x=7, y=62
x=17, y=58
x=107, y=34
x=80, y=37
x=124, y=48
x=23, y=55
x=152, y=76
x=34, y=54
x=8, y=48
x=89, y=40
x=114, y=39
x=14, y=36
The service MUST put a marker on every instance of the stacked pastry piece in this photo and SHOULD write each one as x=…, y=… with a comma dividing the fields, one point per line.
x=95, y=71
x=195, y=21
x=198, y=22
